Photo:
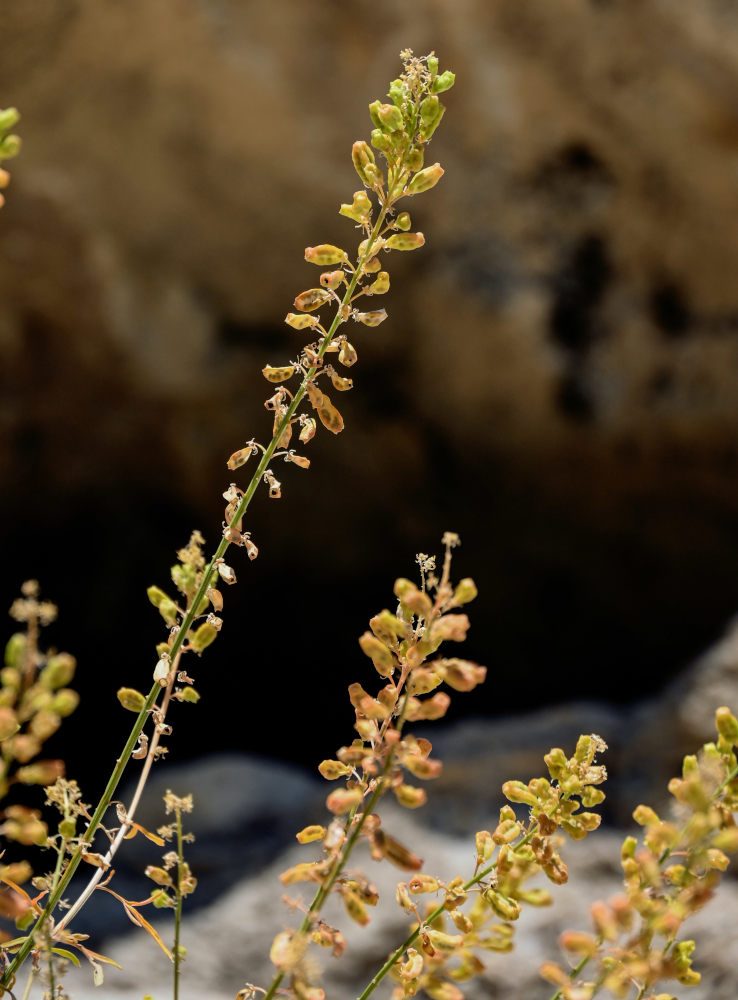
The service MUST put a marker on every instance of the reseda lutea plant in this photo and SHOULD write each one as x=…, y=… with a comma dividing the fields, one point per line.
x=402, y=131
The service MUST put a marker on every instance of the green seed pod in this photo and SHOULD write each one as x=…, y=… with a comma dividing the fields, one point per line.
x=414, y=159
x=403, y=221
x=390, y=118
x=9, y=118
x=361, y=208
x=190, y=695
x=516, y=791
x=64, y=702
x=131, y=699
x=161, y=899
x=8, y=723
x=425, y=179
x=432, y=64
x=727, y=725
x=485, y=845
x=374, y=113
x=380, y=141
x=203, y=637
x=443, y=82
x=325, y=255
x=465, y=591
x=354, y=906
x=343, y=800
x=405, y=241
x=58, y=672
x=10, y=146
x=503, y=906
x=397, y=92
x=184, y=579
x=363, y=157
x=68, y=828
x=423, y=883
x=15, y=650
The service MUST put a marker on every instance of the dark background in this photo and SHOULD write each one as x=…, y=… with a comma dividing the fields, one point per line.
x=556, y=381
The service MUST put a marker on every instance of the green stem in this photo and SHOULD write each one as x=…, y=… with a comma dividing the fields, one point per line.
x=188, y=619
x=413, y=935
x=178, y=907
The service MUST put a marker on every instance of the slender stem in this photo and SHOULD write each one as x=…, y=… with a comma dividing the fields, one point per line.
x=190, y=616
x=413, y=936
x=178, y=908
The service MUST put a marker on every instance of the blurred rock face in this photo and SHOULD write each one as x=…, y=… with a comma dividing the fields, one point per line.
x=559, y=369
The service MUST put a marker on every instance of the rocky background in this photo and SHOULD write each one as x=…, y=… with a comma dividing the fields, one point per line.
x=556, y=382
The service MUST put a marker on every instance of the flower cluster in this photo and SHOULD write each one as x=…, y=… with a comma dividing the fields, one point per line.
x=34, y=699
x=383, y=758
x=674, y=871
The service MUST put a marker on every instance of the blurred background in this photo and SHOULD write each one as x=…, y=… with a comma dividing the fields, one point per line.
x=556, y=381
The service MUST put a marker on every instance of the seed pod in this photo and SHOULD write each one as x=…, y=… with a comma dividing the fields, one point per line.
x=314, y=394
x=383, y=660
x=403, y=221
x=373, y=318
x=405, y=241
x=332, y=279
x=354, y=906
x=131, y=699
x=413, y=966
x=240, y=457
x=339, y=383
x=330, y=418
x=365, y=164
x=311, y=299
x=310, y=833
x=414, y=159
x=347, y=354
x=8, y=723
x=305, y=871
x=409, y=796
x=462, y=675
x=300, y=460
x=371, y=266
x=41, y=772
x=15, y=649
x=278, y=374
x=226, y=573
x=505, y=907
x=9, y=117
x=380, y=285
x=343, y=799
x=390, y=117
x=158, y=875
x=465, y=591
x=443, y=82
x=333, y=769
x=215, y=597
x=162, y=669
x=423, y=883
x=325, y=255
x=380, y=140
x=301, y=322
x=453, y=627
x=308, y=430
x=64, y=702
x=189, y=694
x=59, y=671
x=425, y=179
x=448, y=943
x=203, y=637
x=431, y=111
x=360, y=210
x=9, y=146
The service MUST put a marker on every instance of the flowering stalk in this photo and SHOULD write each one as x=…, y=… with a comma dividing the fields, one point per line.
x=399, y=646
x=402, y=130
x=635, y=943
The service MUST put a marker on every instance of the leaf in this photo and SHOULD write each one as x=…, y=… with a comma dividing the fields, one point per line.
x=137, y=828
x=66, y=954
x=98, y=976
x=138, y=919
